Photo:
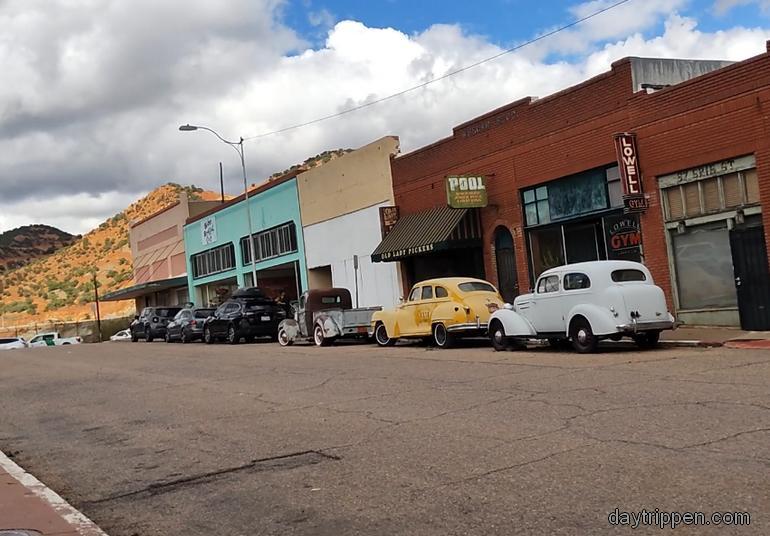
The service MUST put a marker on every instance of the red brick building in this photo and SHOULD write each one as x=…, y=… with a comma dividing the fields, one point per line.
x=551, y=174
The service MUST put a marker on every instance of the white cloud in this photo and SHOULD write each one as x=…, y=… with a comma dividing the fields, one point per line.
x=100, y=87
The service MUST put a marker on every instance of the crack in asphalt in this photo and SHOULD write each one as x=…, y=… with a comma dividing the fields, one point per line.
x=156, y=488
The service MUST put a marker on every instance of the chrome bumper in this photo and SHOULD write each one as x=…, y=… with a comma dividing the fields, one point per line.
x=475, y=326
x=635, y=327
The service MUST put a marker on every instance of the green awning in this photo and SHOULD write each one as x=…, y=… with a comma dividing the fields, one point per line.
x=432, y=230
x=142, y=289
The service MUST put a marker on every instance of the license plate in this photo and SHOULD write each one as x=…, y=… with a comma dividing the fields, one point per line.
x=265, y=318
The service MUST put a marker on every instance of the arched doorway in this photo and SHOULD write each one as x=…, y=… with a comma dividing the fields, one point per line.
x=507, y=279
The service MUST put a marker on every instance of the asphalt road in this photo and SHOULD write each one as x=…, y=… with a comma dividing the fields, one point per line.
x=157, y=439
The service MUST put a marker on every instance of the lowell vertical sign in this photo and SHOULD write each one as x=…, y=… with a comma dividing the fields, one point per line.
x=628, y=162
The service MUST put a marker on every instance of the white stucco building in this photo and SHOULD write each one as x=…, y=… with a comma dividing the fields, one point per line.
x=340, y=204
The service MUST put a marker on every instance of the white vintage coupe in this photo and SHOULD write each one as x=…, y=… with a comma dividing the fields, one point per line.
x=584, y=303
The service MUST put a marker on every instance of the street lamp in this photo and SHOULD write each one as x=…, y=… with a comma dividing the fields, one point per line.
x=238, y=146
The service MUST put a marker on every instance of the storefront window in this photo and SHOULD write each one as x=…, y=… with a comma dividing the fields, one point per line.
x=579, y=194
x=536, y=205
x=614, y=187
x=547, y=249
x=704, y=268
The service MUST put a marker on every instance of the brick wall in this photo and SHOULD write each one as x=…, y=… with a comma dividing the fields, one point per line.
x=713, y=117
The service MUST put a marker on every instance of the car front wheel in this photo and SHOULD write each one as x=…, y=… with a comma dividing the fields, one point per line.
x=500, y=342
x=583, y=339
x=232, y=335
x=381, y=336
x=283, y=337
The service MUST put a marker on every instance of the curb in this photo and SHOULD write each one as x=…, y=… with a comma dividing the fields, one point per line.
x=79, y=522
x=691, y=344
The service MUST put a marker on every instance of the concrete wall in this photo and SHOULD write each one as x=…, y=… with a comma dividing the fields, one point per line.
x=269, y=207
x=354, y=181
x=334, y=242
x=667, y=72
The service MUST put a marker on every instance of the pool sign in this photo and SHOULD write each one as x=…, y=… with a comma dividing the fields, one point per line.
x=466, y=191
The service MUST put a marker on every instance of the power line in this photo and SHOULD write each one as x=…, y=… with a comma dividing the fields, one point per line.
x=442, y=77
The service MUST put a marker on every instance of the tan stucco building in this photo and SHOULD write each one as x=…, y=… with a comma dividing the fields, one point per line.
x=158, y=255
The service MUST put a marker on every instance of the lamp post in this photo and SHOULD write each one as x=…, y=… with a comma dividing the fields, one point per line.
x=238, y=146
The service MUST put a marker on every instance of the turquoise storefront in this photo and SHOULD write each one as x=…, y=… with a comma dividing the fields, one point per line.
x=218, y=248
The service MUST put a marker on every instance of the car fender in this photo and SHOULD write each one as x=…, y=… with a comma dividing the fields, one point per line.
x=449, y=313
x=291, y=327
x=601, y=319
x=389, y=318
x=514, y=324
x=330, y=327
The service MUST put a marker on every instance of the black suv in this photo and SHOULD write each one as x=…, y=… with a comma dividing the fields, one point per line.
x=152, y=323
x=248, y=314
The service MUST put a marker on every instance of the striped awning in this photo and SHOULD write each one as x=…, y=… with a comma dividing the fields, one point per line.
x=426, y=232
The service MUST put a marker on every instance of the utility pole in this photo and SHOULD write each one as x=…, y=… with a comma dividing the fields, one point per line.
x=98, y=315
x=221, y=183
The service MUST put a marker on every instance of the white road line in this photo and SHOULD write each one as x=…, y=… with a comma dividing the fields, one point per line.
x=80, y=522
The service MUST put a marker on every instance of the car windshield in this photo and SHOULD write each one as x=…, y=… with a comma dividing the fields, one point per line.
x=623, y=276
x=167, y=312
x=203, y=313
x=476, y=286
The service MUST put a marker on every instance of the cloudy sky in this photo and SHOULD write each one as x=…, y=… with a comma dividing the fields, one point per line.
x=93, y=91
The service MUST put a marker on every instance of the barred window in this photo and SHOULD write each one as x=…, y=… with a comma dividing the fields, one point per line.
x=271, y=243
x=213, y=261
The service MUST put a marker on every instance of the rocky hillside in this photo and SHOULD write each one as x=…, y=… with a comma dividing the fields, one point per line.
x=60, y=286
x=314, y=161
x=24, y=244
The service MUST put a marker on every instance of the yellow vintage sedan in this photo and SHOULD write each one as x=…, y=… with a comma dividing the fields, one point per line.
x=439, y=309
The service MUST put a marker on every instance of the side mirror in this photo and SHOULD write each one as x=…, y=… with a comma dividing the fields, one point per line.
x=531, y=290
x=400, y=299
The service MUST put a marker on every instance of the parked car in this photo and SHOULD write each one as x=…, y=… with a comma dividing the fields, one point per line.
x=187, y=325
x=52, y=339
x=122, y=335
x=440, y=310
x=585, y=303
x=12, y=343
x=324, y=316
x=151, y=324
x=248, y=314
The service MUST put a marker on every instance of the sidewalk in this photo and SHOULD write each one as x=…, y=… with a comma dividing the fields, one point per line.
x=26, y=504
x=710, y=336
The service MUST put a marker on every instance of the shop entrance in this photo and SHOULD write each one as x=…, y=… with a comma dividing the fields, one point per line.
x=282, y=278
x=752, y=277
x=507, y=280
x=461, y=262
